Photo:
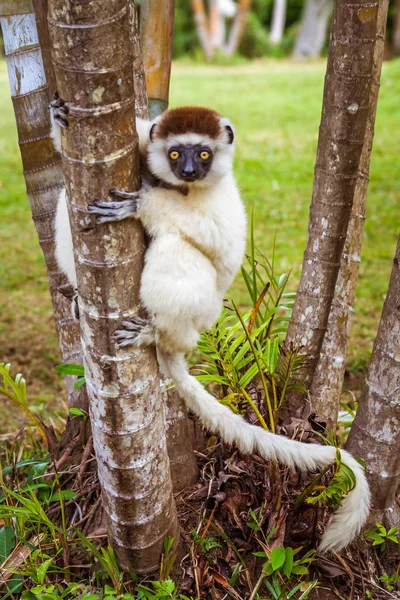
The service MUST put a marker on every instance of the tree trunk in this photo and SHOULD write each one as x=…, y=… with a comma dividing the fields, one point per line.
x=312, y=34
x=278, y=22
x=183, y=465
x=375, y=434
x=345, y=112
x=238, y=26
x=156, y=37
x=396, y=30
x=139, y=76
x=94, y=69
x=328, y=380
x=201, y=21
x=41, y=164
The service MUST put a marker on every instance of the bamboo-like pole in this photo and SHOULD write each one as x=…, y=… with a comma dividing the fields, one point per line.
x=92, y=55
x=201, y=21
x=41, y=164
x=238, y=26
x=156, y=37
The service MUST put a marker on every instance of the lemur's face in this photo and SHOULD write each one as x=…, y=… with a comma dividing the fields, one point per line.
x=190, y=162
x=191, y=145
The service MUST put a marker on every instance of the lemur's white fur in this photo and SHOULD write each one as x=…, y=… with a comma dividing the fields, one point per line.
x=197, y=246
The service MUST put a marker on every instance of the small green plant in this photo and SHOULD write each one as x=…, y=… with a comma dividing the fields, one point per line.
x=74, y=370
x=380, y=536
x=390, y=580
x=15, y=390
x=205, y=544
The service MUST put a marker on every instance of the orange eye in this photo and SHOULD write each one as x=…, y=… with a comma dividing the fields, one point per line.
x=204, y=155
x=174, y=155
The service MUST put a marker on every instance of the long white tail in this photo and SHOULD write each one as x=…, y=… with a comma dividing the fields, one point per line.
x=348, y=520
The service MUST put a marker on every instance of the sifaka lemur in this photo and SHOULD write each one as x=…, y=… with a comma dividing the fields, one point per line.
x=192, y=212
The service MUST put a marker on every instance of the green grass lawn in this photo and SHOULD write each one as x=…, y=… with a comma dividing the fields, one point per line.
x=276, y=108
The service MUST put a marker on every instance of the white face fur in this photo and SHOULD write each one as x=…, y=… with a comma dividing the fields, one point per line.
x=158, y=151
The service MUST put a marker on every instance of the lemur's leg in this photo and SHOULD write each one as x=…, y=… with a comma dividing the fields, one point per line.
x=71, y=294
x=138, y=332
x=58, y=116
x=115, y=211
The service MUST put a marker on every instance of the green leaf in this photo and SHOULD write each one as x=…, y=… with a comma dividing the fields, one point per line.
x=77, y=412
x=42, y=570
x=64, y=494
x=79, y=383
x=287, y=567
x=299, y=570
x=277, y=558
x=71, y=369
x=7, y=542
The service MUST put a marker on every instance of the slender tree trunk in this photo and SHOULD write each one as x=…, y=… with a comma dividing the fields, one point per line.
x=328, y=380
x=139, y=76
x=183, y=465
x=156, y=37
x=41, y=164
x=278, y=22
x=238, y=26
x=312, y=34
x=215, y=22
x=396, y=29
x=201, y=21
x=375, y=434
x=94, y=69
x=348, y=83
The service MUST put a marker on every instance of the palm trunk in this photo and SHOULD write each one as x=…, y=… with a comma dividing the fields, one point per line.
x=238, y=26
x=375, y=434
x=201, y=21
x=345, y=113
x=278, y=22
x=92, y=52
x=328, y=380
x=41, y=164
x=139, y=76
x=183, y=465
x=156, y=37
x=312, y=34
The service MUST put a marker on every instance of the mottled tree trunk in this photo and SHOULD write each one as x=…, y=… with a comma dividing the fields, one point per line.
x=41, y=164
x=139, y=76
x=156, y=37
x=375, y=434
x=201, y=21
x=92, y=55
x=184, y=470
x=348, y=83
x=278, y=21
x=328, y=380
x=312, y=34
x=238, y=26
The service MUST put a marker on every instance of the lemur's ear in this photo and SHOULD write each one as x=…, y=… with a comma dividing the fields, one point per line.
x=228, y=131
x=152, y=132
x=231, y=135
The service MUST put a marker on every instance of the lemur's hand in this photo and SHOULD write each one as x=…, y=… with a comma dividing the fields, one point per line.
x=59, y=110
x=107, y=212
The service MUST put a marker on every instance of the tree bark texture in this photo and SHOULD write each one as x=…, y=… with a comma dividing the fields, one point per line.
x=183, y=465
x=201, y=21
x=329, y=375
x=346, y=105
x=375, y=434
x=139, y=76
x=92, y=55
x=156, y=37
x=312, y=34
x=278, y=22
x=41, y=164
x=238, y=26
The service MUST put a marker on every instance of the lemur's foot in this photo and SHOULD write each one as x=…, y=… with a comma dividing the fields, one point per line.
x=71, y=294
x=136, y=331
x=107, y=212
x=59, y=110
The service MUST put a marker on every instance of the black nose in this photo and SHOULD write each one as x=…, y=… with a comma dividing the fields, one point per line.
x=189, y=173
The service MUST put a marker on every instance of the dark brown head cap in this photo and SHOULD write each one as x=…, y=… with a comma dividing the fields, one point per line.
x=189, y=119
